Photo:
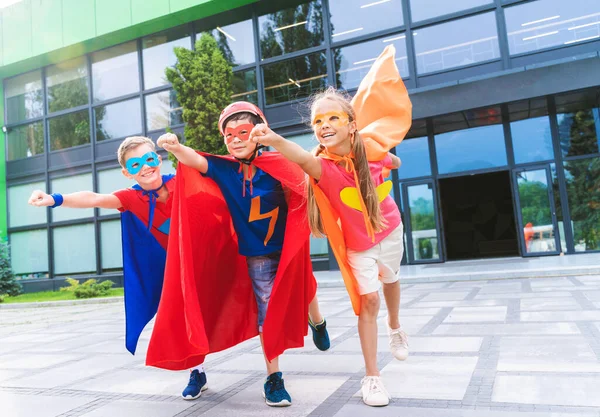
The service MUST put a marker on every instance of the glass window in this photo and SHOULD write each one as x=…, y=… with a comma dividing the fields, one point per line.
x=352, y=63
x=530, y=131
x=110, y=180
x=29, y=253
x=427, y=9
x=578, y=123
x=294, y=79
x=67, y=84
x=110, y=245
x=414, y=154
x=457, y=43
x=72, y=184
x=547, y=23
x=118, y=120
x=350, y=18
x=422, y=222
x=583, y=190
x=70, y=130
x=25, y=141
x=244, y=86
x=157, y=52
x=19, y=212
x=470, y=140
x=115, y=72
x=24, y=97
x=291, y=29
x=558, y=208
x=74, y=249
x=162, y=110
x=236, y=41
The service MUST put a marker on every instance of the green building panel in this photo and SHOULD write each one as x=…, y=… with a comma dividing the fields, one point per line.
x=3, y=202
x=112, y=15
x=47, y=17
x=79, y=21
x=145, y=10
x=17, y=32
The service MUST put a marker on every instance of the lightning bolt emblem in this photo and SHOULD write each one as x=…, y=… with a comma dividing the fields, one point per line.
x=255, y=215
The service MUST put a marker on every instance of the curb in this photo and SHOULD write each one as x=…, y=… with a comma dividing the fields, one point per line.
x=61, y=303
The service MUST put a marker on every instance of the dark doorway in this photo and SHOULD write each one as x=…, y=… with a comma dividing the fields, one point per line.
x=478, y=216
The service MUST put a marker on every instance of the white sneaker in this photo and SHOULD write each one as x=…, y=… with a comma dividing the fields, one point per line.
x=398, y=343
x=373, y=391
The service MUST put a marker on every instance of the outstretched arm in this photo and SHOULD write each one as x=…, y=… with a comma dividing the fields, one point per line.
x=81, y=199
x=292, y=151
x=396, y=162
x=184, y=154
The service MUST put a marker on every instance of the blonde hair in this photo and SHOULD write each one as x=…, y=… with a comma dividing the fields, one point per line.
x=361, y=165
x=131, y=143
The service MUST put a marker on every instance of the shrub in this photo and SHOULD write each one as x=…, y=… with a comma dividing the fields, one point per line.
x=89, y=289
x=8, y=282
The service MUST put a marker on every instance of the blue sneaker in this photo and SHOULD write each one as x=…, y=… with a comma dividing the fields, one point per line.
x=196, y=385
x=320, y=335
x=275, y=393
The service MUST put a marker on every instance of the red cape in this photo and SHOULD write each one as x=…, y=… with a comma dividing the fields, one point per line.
x=207, y=304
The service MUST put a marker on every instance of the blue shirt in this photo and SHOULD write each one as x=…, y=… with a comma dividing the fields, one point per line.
x=259, y=218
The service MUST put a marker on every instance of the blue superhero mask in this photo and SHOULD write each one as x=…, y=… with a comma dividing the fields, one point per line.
x=134, y=165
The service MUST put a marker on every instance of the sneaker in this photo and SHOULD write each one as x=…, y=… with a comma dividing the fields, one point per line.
x=373, y=391
x=398, y=343
x=320, y=335
x=274, y=391
x=195, y=386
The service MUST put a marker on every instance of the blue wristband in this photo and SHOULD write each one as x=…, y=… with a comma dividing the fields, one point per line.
x=58, y=199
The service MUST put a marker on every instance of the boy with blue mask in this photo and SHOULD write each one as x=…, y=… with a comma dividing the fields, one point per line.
x=145, y=218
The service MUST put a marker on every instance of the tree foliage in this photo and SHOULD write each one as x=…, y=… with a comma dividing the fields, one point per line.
x=202, y=80
x=8, y=283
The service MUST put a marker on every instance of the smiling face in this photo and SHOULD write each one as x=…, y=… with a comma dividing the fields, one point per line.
x=147, y=177
x=236, y=138
x=332, y=127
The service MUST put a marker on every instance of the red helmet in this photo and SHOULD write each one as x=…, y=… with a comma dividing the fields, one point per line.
x=239, y=107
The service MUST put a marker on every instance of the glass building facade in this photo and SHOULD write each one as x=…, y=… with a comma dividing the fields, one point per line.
x=64, y=122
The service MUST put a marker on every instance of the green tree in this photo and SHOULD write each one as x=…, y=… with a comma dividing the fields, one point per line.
x=421, y=214
x=202, y=80
x=583, y=190
x=8, y=283
x=535, y=207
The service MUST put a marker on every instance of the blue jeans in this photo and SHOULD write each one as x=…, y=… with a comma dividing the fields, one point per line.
x=262, y=270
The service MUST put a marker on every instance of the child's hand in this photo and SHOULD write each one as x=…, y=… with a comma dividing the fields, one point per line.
x=41, y=199
x=261, y=133
x=169, y=142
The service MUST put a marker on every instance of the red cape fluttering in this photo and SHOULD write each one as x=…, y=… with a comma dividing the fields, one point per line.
x=207, y=303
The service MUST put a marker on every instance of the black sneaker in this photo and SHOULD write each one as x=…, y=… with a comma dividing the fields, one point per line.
x=275, y=393
x=320, y=335
x=195, y=386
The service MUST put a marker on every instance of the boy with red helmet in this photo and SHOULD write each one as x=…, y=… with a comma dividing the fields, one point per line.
x=268, y=216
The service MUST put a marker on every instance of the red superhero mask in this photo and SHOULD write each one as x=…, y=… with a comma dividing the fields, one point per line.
x=242, y=132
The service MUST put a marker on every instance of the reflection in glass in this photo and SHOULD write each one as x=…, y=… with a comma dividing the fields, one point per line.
x=414, y=154
x=29, y=254
x=24, y=97
x=115, y=72
x=558, y=208
x=547, y=23
x=110, y=245
x=118, y=120
x=291, y=29
x=583, y=190
x=110, y=180
x=579, y=132
x=19, y=212
x=532, y=140
x=67, y=85
x=457, y=43
x=74, y=249
x=427, y=9
x=72, y=184
x=350, y=18
x=236, y=41
x=352, y=63
x=476, y=148
x=244, y=86
x=294, y=79
x=157, y=53
x=25, y=141
x=536, y=213
x=162, y=110
x=422, y=222
x=70, y=130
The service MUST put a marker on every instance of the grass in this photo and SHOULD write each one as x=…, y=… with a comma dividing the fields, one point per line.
x=54, y=296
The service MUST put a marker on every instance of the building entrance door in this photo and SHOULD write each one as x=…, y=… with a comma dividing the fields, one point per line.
x=478, y=216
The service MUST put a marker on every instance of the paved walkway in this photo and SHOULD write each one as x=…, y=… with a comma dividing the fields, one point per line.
x=528, y=347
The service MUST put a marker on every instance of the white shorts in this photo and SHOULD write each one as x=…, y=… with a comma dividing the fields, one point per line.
x=381, y=263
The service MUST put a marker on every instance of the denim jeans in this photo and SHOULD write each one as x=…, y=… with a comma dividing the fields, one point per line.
x=262, y=270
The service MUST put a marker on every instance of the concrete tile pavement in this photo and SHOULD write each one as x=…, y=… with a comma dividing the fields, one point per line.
x=497, y=348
